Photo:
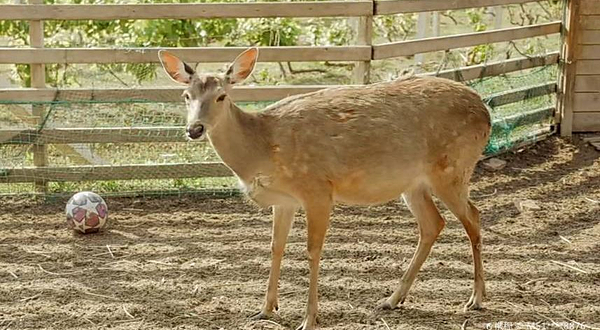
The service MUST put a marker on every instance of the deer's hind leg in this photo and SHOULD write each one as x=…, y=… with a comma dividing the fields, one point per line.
x=453, y=190
x=430, y=224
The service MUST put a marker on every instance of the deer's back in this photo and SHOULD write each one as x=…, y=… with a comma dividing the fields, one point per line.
x=408, y=125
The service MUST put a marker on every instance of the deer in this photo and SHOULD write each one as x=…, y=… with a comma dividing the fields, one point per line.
x=413, y=137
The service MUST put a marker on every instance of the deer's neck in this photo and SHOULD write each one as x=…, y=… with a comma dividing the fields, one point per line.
x=241, y=140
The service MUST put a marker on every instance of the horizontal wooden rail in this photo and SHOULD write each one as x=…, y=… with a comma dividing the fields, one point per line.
x=588, y=67
x=411, y=47
x=586, y=121
x=589, y=7
x=589, y=37
x=588, y=52
x=187, y=11
x=114, y=172
x=586, y=101
x=238, y=10
x=529, y=117
x=387, y=7
x=138, y=95
x=273, y=54
x=190, y=54
x=590, y=22
x=520, y=94
x=497, y=68
x=586, y=84
x=245, y=93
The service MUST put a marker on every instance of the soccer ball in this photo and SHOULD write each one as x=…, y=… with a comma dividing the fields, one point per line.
x=86, y=212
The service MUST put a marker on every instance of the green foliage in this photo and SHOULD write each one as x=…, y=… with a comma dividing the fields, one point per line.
x=480, y=54
x=325, y=32
x=393, y=27
x=270, y=32
x=17, y=30
x=476, y=19
x=339, y=33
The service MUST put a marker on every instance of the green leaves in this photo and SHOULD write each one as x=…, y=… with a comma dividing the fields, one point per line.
x=269, y=32
x=476, y=19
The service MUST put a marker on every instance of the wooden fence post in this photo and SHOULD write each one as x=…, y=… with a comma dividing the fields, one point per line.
x=38, y=80
x=364, y=36
x=567, y=78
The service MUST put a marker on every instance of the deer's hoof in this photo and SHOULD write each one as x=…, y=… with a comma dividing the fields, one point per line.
x=262, y=316
x=474, y=303
x=385, y=306
x=306, y=326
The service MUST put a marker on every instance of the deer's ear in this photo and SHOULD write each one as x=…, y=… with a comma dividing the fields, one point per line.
x=242, y=67
x=176, y=68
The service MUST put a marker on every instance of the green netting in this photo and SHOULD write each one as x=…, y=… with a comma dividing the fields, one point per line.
x=525, y=118
x=513, y=123
x=528, y=118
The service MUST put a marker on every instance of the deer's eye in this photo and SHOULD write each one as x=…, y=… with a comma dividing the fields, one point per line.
x=186, y=96
x=221, y=97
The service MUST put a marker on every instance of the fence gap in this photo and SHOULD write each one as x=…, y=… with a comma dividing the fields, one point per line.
x=423, y=21
x=435, y=24
x=498, y=13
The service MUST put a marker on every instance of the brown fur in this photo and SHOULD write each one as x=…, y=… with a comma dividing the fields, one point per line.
x=355, y=145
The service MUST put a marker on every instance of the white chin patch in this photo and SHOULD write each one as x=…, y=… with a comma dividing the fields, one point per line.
x=244, y=188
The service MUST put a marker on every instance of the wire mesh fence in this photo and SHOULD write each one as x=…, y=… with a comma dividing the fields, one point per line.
x=137, y=132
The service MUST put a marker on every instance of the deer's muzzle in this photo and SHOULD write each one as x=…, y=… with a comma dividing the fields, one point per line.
x=195, y=131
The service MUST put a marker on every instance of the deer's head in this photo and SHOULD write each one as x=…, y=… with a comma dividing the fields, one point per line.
x=207, y=95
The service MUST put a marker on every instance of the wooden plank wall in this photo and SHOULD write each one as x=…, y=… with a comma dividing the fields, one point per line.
x=586, y=97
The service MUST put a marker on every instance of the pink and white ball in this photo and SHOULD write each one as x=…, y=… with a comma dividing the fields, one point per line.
x=86, y=212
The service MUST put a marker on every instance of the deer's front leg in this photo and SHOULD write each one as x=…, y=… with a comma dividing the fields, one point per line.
x=283, y=217
x=317, y=219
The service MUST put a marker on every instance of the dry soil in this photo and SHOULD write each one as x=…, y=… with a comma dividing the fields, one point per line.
x=197, y=263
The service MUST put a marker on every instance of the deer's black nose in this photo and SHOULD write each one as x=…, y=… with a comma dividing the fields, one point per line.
x=195, y=131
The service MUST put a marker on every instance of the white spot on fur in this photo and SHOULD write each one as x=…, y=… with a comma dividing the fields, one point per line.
x=304, y=169
x=286, y=171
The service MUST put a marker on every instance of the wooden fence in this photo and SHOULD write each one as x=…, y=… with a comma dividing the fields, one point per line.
x=581, y=108
x=363, y=52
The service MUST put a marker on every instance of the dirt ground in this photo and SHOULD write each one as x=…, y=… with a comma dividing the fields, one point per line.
x=194, y=263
